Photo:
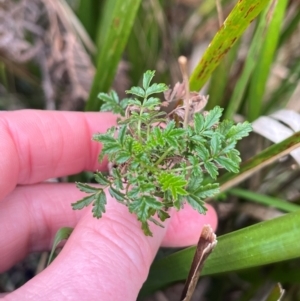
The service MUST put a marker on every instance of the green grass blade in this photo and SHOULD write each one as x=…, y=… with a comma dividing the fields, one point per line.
x=265, y=200
x=267, y=242
x=219, y=79
x=290, y=28
x=251, y=60
x=88, y=12
x=61, y=234
x=236, y=23
x=285, y=89
x=145, y=40
x=107, y=15
x=114, y=31
x=264, y=62
x=266, y=157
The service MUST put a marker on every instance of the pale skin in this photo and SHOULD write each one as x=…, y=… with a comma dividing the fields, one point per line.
x=106, y=259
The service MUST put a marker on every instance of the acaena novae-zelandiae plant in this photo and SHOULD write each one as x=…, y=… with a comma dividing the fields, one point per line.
x=161, y=160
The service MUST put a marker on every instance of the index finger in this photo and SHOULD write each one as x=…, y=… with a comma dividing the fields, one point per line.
x=38, y=145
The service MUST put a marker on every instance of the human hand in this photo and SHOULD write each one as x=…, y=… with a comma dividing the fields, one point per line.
x=106, y=259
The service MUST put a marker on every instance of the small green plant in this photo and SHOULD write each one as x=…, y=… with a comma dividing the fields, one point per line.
x=161, y=160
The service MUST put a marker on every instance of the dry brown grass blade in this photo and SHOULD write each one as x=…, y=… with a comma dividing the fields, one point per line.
x=206, y=244
x=76, y=26
x=276, y=294
x=66, y=67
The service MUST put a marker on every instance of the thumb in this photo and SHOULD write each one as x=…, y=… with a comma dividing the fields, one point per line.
x=106, y=259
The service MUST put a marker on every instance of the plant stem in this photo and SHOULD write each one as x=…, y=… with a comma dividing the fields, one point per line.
x=163, y=156
x=140, y=123
x=182, y=60
x=190, y=166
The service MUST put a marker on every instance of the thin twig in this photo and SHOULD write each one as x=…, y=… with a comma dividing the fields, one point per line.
x=220, y=12
x=182, y=60
x=42, y=263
